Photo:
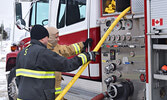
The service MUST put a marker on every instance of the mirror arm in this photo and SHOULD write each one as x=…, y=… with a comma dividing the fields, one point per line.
x=27, y=29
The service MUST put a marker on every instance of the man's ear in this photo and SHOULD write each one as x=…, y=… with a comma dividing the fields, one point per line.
x=41, y=40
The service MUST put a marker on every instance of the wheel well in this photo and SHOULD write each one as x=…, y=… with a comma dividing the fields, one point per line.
x=11, y=63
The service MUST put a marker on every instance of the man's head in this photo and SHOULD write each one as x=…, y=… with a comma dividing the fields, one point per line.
x=38, y=32
x=53, y=35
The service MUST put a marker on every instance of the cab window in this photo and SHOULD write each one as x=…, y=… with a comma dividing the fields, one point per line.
x=71, y=12
x=39, y=13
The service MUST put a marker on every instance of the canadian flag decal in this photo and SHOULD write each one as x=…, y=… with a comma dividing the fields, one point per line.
x=157, y=22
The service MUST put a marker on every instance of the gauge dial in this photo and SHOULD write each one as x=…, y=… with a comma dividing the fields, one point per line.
x=112, y=38
x=128, y=24
x=118, y=26
x=117, y=37
x=132, y=53
x=108, y=23
x=128, y=37
x=108, y=38
x=123, y=38
x=105, y=29
x=118, y=62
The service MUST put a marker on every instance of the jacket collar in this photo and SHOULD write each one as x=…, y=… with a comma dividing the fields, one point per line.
x=50, y=46
x=33, y=41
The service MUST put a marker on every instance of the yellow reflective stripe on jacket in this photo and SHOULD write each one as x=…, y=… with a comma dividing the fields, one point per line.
x=19, y=99
x=77, y=48
x=28, y=45
x=58, y=90
x=83, y=57
x=35, y=74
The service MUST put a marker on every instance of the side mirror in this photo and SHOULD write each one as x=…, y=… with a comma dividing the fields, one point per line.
x=20, y=23
x=18, y=11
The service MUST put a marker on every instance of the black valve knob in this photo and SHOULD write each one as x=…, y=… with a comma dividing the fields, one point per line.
x=120, y=91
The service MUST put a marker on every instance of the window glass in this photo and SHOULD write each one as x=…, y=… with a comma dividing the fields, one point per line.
x=61, y=14
x=82, y=10
x=71, y=12
x=33, y=15
x=76, y=10
x=40, y=13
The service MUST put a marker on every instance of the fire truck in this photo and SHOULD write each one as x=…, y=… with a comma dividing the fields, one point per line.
x=131, y=64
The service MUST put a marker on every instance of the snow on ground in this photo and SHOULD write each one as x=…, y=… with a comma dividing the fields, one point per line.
x=4, y=49
x=3, y=82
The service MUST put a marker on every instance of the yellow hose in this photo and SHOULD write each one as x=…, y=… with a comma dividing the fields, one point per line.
x=95, y=49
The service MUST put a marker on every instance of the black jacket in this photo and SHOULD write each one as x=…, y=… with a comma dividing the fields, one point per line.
x=38, y=58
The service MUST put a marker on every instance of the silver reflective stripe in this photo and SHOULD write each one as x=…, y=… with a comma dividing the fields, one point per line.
x=58, y=90
x=90, y=55
x=83, y=57
x=77, y=48
x=35, y=74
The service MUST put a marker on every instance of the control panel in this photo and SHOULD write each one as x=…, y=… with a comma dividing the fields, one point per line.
x=123, y=58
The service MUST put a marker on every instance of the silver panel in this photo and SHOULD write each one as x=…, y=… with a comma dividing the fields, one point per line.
x=158, y=10
x=160, y=77
x=137, y=6
x=157, y=54
x=160, y=47
x=161, y=35
x=158, y=59
x=130, y=53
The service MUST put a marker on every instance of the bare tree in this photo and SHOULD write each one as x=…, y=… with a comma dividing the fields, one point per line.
x=3, y=33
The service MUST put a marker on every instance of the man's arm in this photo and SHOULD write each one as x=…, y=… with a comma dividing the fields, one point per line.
x=72, y=49
x=51, y=61
x=69, y=50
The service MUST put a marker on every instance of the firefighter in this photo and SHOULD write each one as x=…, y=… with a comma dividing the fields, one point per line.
x=36, y=66
x=65, y=51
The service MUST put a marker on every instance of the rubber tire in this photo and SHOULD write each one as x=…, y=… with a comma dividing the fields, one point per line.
x=11, y=85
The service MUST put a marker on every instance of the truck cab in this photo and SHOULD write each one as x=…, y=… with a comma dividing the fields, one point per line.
x=74, y=20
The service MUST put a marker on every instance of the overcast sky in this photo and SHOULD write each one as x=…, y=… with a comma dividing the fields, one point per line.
x=6, y=12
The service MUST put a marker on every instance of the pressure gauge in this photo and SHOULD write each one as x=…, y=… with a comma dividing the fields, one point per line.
x=108, y=23
x=105, y=29
x=118, y=26
x=118, y=62
x=128, y=37
x=112, y=38
x=128, y=24
x=123, y=38
x=117, y=37
x=132, y=53
x=108, y=38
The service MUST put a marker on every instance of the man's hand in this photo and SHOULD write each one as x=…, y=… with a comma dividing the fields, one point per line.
x=92, y=55
x=88, y=42
x=87, y=56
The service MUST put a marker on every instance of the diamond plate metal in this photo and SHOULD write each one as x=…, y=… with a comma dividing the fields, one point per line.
x=137, y=6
